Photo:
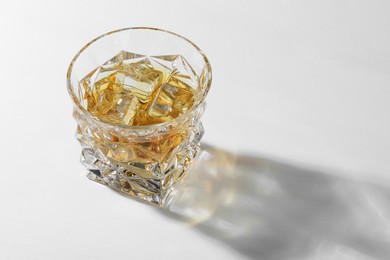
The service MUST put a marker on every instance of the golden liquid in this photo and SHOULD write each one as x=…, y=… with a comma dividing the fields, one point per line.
x=132, y=89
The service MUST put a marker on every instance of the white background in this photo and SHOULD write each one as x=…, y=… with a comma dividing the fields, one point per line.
x=305, y=83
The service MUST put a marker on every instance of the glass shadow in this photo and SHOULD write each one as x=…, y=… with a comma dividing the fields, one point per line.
x=268, y=209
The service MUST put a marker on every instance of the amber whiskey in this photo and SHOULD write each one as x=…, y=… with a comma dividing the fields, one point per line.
x=133, y=89
x=136, y=90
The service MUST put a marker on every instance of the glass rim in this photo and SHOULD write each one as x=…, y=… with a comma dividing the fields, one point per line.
x=76, y=101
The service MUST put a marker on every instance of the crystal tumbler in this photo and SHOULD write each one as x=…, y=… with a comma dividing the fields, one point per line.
x=138, y=95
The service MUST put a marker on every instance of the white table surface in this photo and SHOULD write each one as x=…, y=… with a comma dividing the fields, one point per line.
x=297, y=161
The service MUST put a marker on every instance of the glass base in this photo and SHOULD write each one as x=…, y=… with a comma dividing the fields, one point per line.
x=152, y=183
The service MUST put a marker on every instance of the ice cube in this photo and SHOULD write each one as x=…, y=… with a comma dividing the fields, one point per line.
x=140, y=78
x=162, y=104
x=170, y=101
x=176, y=67
x=117, y=107
x=116, y=63
x=98, y=80
x=184, y=99
x=163, y=64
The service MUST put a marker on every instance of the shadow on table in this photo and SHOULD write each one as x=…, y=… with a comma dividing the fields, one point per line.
x=270, y=210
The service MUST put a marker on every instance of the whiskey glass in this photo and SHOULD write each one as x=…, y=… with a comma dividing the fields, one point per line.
x=143, y=161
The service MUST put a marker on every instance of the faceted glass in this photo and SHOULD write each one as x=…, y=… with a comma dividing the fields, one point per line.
x=138, y=97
